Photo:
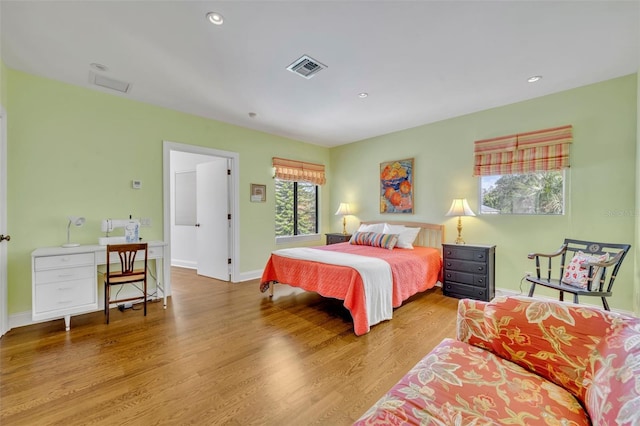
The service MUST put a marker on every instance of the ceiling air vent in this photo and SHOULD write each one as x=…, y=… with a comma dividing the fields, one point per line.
x=109, y=83
x=306, y=67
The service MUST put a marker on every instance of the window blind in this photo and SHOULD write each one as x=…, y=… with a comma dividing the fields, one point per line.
x=299, y=171
x=540, y=150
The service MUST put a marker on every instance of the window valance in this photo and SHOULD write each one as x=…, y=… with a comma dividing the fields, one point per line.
x=540, y=150
x=299, y=171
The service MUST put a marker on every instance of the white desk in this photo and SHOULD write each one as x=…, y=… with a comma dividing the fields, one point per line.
x=65, y=280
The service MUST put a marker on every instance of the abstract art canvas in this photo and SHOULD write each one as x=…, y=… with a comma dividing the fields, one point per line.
x=396, y=186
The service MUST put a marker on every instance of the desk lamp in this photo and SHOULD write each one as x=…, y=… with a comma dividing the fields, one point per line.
x=344, y=210
x=460, y=207
x=76, y=221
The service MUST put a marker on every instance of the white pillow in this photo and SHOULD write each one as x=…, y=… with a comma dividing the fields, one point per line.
x=406, y=235
x=378, y=228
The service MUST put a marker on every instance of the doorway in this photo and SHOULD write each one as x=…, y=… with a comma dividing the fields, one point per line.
x=181, y=160
x=4, y=306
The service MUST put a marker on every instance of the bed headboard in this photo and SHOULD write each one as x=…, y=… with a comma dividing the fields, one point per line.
x=431, y=234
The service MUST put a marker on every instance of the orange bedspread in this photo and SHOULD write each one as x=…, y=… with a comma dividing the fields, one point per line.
x=413, y=271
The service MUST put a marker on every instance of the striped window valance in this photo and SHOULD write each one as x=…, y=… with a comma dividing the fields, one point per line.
x=299, y=171
x=541, y=150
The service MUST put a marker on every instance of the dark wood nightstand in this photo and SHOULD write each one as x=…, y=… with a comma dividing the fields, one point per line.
x=469, y=271
x=337, y=238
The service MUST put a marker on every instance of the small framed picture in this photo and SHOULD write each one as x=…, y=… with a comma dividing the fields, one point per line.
x=258, y=193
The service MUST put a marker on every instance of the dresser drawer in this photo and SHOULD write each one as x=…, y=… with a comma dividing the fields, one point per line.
x=64, y=295
x=466, y=291
x=63, y=261
x=64, y=274
x=337, y=238
x=465, y=278
x=466, y=266
x=466, y=254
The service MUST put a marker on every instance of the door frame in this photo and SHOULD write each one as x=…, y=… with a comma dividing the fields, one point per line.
x=4, y=293
x=233, y=159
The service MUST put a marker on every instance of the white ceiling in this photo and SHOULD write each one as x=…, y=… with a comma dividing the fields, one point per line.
x=420, y=61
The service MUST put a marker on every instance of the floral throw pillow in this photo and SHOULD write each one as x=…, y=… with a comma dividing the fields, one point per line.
x=578, y=276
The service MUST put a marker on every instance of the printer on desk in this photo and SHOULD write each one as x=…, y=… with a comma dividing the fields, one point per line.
x=131, y=231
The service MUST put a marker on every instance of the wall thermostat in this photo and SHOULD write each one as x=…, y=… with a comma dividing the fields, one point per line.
x=136, y=184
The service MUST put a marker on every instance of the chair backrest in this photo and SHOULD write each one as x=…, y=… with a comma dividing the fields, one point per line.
x=615, y=251
x=127, y=254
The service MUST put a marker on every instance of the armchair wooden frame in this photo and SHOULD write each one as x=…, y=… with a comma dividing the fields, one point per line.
x=600, y=288
x=126, y=274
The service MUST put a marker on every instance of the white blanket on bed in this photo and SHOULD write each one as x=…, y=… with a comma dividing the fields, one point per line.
x=375, y=274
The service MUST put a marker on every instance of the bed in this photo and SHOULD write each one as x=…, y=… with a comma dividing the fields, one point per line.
x=370, y=281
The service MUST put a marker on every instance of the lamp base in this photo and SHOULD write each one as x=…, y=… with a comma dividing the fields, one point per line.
x=459, y=240
x=68, y=245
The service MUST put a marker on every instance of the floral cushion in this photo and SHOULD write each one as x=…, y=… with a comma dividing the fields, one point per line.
x=592, y=353
x=460, y=384
x=577, y=275
x=523, y=361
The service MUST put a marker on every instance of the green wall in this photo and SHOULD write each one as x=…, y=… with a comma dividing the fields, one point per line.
x=74, y=151
x=601, y=190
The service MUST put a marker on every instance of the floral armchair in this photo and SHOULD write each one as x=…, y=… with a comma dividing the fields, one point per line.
x=523, y=361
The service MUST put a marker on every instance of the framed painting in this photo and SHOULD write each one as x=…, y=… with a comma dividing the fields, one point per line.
x=258, y=193
x=396, y=186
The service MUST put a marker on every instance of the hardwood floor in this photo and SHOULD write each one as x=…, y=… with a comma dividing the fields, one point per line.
x=219, y=354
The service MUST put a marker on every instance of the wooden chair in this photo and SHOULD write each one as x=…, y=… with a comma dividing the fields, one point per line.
x=600, y=274
x=126, y=253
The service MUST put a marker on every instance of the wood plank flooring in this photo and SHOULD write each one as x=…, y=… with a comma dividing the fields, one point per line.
x=221, y=353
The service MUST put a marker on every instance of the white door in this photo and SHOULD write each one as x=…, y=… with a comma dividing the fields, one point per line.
x=4, y=308
x=212, y=227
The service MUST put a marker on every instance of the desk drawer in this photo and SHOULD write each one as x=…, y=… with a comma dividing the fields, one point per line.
x=152, y=253
x=155, y=252
x=63, y=261
x=64, y=295
x=65, y=274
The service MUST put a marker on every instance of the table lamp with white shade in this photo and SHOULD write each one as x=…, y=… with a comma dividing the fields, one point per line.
x=460, y=207
x=344, y=210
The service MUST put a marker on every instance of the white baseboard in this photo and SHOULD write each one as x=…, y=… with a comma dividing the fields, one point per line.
x=250, y=275
x=21, y=319
x=184, y=263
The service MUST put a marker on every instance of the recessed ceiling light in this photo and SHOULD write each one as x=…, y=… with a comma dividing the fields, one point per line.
x=363, y=95
x=215, y=18
x=534, y=78
x=98, y=67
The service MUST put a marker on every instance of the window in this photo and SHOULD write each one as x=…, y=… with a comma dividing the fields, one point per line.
x=539, y=193
x=524, y=173
x=296, y=195
x=296, y=208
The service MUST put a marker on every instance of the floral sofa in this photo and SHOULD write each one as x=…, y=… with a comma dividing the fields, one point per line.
x=523, y=361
